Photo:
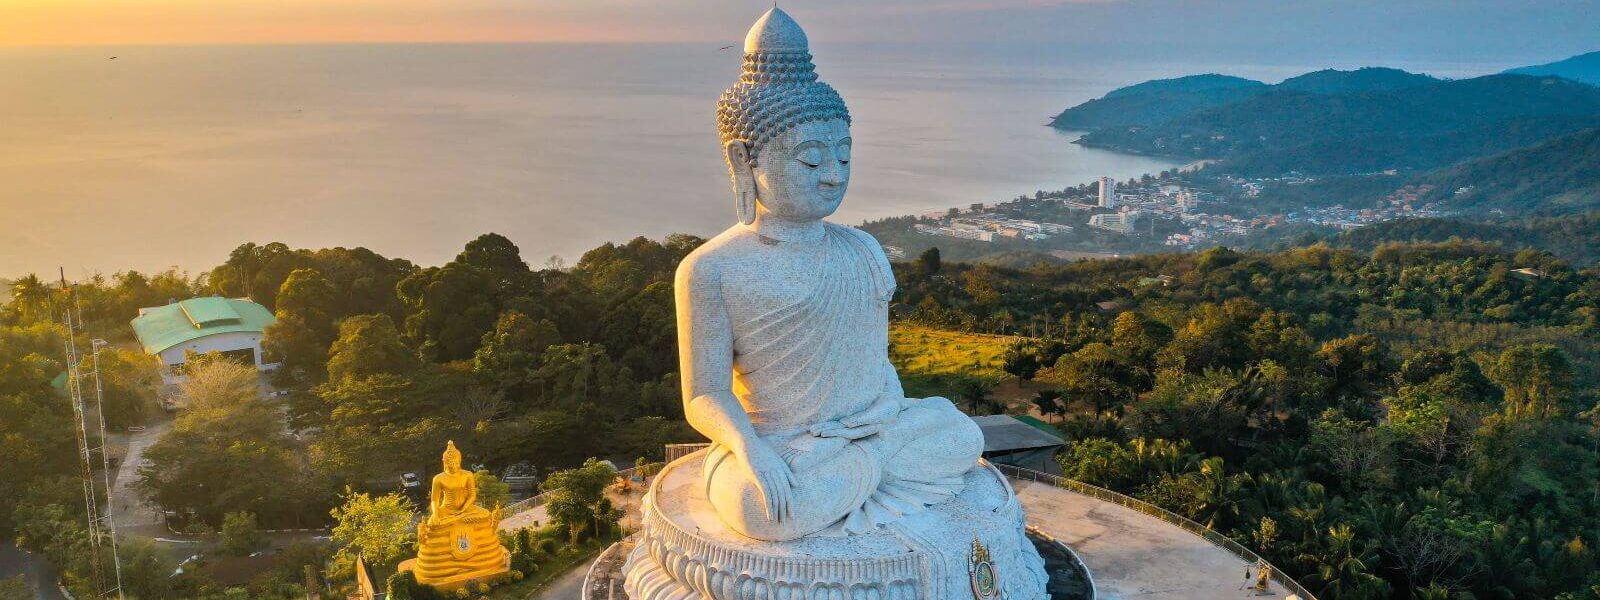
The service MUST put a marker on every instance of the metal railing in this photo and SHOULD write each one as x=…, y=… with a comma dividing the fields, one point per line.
x=1217, y=539
x=677, y=451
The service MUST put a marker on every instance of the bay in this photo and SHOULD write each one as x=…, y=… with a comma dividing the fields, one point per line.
x=173, y=155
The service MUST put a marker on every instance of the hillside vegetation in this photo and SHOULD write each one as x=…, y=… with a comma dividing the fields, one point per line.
x=1413, y=421
x=934, y=361
x=1575, y=238
x=1327, y=407
x=1558, y=175
x=1157, y=101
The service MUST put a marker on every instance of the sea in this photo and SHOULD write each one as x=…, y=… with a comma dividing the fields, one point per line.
x=155, y=157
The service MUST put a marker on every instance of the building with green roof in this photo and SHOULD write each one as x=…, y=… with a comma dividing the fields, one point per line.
x=231, y=326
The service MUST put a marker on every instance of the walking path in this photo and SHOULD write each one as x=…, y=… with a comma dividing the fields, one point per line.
x=33, y=569
x=128, y=511
x=569, y=586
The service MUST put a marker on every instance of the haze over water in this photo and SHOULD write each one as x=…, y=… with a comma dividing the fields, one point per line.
x=174, y=155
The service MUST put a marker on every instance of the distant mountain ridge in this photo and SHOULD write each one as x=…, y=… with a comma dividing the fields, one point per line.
x=1364, y=121
x=1368, y=79
x=1583, y=67
x=1157, y=100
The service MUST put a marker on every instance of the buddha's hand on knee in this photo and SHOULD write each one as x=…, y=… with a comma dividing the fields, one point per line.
x=882, y=412
x=773, y=479
x=837, y=429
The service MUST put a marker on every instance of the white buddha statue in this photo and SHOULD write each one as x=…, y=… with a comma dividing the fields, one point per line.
x=823, y=481
x=783, y=327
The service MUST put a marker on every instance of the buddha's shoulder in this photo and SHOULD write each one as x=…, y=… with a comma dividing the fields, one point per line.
x=858, y=235
x=720, y=252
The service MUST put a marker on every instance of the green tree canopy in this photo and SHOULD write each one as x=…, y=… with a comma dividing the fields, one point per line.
x=377, y=527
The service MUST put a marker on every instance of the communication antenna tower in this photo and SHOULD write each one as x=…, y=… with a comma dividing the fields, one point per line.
x=102, y=530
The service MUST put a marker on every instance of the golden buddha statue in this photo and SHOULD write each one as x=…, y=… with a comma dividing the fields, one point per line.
x=457, y=543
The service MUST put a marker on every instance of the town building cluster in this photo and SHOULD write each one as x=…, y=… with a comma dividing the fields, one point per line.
x=1184, y=210
x=986, y=227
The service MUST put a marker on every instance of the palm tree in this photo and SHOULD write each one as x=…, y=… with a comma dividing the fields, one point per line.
x=30, y=297
x=1346, y=570
x=1049, y=403
x=975, y=393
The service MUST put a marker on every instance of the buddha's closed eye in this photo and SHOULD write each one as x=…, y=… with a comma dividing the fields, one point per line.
x=810, y=157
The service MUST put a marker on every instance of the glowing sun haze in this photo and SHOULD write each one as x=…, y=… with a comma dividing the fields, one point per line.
x=1537, y=27
x=84, y=22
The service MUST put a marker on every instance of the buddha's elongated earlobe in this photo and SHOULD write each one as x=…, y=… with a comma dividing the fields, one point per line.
x=744, y=180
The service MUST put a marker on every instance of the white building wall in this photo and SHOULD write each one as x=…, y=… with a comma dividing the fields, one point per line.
x=1108, y=192
x=222, y=342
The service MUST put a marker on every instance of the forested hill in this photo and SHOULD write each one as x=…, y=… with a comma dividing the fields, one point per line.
x=1419, y=127
x=1161, y=100
x=1559, y=175
x=1583, y=67
x=1412, y=422
x=1369, y=79
x=1574, y=238
x=1157, y=101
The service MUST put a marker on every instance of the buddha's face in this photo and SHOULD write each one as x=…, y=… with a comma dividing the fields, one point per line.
x=802, y=174
x=452, y=464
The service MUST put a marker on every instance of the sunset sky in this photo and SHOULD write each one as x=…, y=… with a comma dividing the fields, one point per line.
x=1440, y=27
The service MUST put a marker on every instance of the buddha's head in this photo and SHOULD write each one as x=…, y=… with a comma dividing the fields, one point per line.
x=785, y=134
x=452, y=458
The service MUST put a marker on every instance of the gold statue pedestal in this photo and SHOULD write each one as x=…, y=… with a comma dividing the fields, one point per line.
x=457, y=544
x=456, y=555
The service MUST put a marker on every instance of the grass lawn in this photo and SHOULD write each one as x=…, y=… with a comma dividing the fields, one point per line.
x=934, y=362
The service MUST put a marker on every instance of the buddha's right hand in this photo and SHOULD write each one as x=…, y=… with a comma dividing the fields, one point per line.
x=772, y=478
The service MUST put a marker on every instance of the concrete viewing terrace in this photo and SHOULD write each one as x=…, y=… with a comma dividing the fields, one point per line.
x=1131, y=553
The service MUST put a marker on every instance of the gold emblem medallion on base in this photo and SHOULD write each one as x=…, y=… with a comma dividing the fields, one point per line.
x=985, y=581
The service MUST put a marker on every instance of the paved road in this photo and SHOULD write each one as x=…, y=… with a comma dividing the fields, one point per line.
x=566, y=587
x=1133, y=555
x=533, y=517
x=35, y=571
x=128, y=510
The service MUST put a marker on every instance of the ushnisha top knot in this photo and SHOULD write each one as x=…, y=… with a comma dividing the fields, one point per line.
x=778, y=89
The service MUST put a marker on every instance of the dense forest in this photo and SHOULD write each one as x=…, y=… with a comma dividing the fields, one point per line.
x=1417, y=421
x=383, y=362
x=1552, y=177
x=1383, y=420
x=1573, y=238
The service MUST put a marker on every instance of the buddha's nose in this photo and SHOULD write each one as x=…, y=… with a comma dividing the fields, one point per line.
x=830, y=174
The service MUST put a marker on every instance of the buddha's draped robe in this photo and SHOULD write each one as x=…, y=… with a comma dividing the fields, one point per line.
x=824, y=357
x=457, y=503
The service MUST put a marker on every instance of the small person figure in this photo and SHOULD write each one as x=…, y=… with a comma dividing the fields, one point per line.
x=1263, y=577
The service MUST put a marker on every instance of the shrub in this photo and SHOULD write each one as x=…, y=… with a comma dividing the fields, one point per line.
x=240, y=535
